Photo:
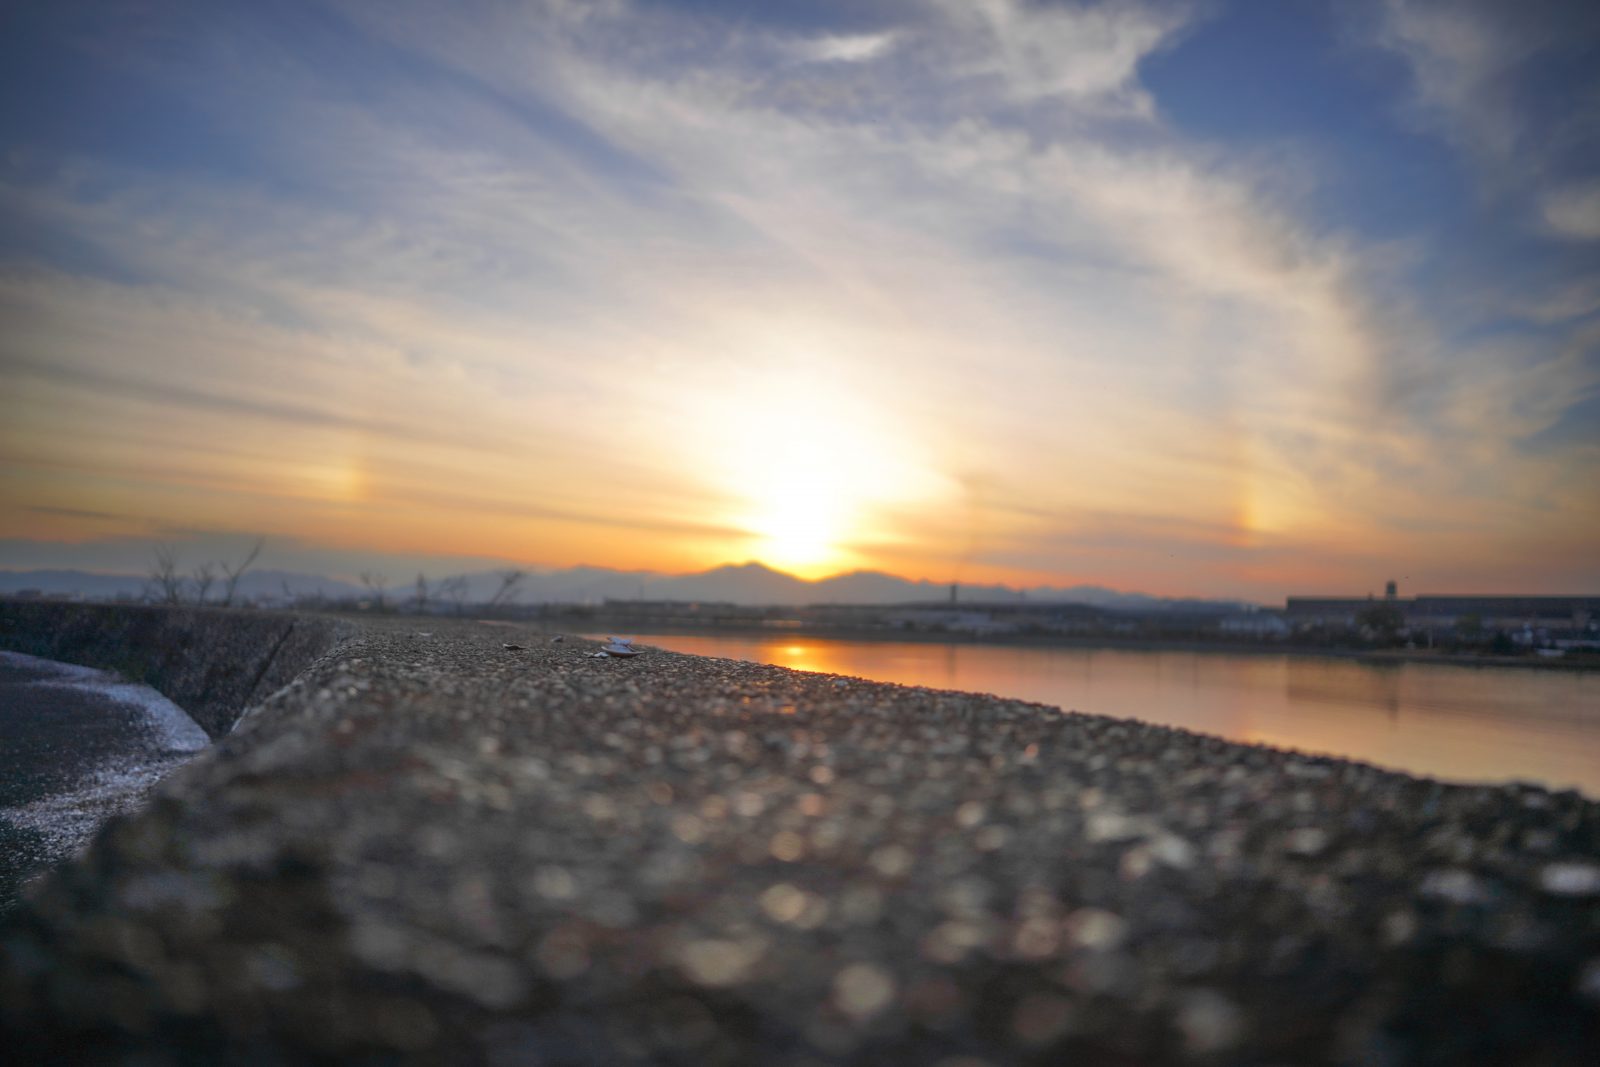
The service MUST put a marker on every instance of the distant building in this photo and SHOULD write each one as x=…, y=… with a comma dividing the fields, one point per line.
x=1254, y=624
x=966, y=622
x=1445, y=611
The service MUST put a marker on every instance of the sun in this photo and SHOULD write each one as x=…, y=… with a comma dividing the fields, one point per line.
x=801, y=514
x=830, y=471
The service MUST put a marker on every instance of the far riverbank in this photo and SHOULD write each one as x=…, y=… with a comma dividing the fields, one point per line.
x=1479, y=726
x=1373, y=656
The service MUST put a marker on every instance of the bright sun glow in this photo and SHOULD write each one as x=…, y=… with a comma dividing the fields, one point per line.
x=800, y=515
x=820, y=481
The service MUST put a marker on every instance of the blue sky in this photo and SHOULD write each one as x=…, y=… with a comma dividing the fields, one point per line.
x=1196, y=297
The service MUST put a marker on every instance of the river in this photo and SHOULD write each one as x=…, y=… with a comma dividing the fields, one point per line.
x=1461, y=724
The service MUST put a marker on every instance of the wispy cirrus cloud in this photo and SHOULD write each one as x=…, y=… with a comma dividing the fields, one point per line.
x=1511, y=87
x=1573, y=211
x=845, y=48
x=1463, y=58
x=1511, y=84
x=595, y=281
x=1085, y=54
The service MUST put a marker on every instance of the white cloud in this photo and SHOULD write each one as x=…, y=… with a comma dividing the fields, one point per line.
x=1498, y=81
x=1460, y=57
x=1573, y=211
x=592, y=296
x=1576, y=299
x=848, y=48
x=1480, y=70
x=1086, y=54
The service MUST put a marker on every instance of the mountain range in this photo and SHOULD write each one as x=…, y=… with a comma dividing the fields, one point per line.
x=747, y=584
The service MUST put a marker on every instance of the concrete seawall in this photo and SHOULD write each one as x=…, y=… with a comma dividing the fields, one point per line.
x=67, y=775
x=211, y=662
x=429, y=847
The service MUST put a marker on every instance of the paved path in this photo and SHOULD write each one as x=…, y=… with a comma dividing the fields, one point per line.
x=432, y=848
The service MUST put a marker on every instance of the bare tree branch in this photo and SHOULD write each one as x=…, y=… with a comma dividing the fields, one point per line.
x=165, y=581
x=205, y=576
x=231, y=575
x=454, y=590
x=378, y=586
x=509, y=580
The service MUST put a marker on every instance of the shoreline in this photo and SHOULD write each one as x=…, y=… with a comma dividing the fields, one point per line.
x=1375, y=657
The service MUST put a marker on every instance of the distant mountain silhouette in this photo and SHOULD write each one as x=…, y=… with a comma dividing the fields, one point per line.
x=273, y=583
x=71, y=583
x=749, y=583
x=744, y=583
x=755, y=583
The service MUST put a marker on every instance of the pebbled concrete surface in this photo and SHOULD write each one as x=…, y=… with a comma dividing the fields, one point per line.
x=434, y=849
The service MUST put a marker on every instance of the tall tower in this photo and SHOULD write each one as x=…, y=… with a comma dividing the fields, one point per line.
x=952, y=592
x=1391, y=589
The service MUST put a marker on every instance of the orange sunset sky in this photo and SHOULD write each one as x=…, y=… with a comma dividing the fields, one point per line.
x=1027, y=293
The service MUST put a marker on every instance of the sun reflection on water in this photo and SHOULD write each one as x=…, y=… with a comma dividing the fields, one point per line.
x=1457, y=723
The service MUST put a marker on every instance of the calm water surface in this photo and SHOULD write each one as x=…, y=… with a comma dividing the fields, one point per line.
x=1468, y=724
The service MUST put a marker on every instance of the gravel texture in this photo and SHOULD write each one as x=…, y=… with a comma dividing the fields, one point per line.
x=432, y=848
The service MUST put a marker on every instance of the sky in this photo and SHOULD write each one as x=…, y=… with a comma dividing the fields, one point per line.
x=1208, y=298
